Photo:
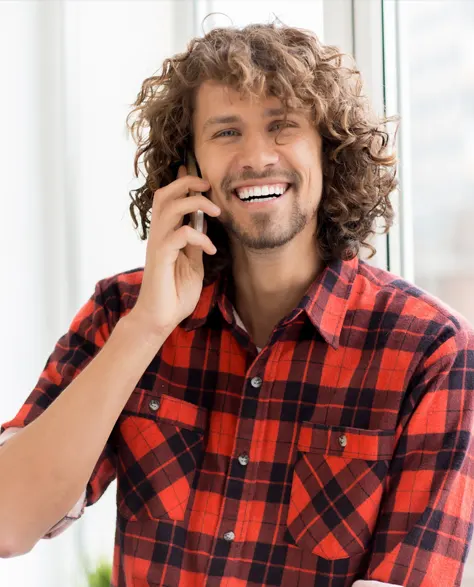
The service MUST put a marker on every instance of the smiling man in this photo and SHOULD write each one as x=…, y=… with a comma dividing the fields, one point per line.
x=278, y=412
x=269, y=196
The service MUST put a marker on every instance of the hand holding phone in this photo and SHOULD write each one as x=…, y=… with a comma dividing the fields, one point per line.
x=173, y=276
x=197, y=218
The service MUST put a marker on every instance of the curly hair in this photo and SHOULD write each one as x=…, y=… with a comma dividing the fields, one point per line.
x=293, y=65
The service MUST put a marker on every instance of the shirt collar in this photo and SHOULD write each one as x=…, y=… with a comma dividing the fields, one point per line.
x=325, y=301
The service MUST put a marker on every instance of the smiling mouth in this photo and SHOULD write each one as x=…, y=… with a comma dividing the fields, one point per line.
x=262, y=197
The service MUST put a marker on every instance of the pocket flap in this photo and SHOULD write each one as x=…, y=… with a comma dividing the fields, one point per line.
x=166, y=407
x=353, y=443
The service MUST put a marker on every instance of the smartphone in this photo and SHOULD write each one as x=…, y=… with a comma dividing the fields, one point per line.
x=197, y=218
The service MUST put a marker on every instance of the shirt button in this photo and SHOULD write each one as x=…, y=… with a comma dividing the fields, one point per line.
x=244, y=459
x=154, y=404
x=229, y=536
x=256, y=381
x=343, y=440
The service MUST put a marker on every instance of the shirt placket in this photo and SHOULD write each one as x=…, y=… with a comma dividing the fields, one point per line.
x=231, y=534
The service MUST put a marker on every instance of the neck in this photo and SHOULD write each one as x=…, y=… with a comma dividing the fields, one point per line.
x=268, y=285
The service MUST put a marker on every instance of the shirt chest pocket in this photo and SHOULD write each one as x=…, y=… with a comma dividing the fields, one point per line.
x=337, y=487
x=161, y=446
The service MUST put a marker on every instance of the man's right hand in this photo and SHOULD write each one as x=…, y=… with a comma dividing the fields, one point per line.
x=174, y=271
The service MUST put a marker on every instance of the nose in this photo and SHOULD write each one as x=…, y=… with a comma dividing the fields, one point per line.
x=257, y=152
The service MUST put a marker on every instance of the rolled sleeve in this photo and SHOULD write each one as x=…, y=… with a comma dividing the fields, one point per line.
x=76, y=512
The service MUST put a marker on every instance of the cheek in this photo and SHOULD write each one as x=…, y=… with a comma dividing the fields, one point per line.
x=306, y=157
x=314, y=170
x=214, y=177
x=310, y=157
x=215, y=195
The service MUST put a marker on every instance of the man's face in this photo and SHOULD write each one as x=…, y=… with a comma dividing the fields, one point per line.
x=235, y=146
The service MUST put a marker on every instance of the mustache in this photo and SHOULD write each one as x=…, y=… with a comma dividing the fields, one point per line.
x=273, y=174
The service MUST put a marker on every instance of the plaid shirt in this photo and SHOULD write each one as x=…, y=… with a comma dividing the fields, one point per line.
x=338, y=455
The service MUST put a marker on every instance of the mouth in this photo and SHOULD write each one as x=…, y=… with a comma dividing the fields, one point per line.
x=258, y=200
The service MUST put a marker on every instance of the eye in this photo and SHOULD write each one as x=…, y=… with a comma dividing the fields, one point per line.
x=286, y=124
x=276, y=124
x=221, y=134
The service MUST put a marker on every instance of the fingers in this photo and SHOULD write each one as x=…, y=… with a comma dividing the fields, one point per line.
x=174, y=213
x=171, y=203
x=182, y=185
x=193, y=203
x=186, y=235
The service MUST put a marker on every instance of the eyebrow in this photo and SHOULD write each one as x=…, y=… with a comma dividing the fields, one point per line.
x=228, y=119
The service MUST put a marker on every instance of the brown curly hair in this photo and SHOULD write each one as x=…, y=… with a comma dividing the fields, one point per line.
x=293, y=65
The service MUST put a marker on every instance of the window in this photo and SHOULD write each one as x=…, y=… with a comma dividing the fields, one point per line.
x=429, y=55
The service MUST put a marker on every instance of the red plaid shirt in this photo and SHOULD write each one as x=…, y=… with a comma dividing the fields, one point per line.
x=339, y=454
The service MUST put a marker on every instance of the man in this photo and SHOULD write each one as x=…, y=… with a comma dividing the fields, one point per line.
x=278, y=412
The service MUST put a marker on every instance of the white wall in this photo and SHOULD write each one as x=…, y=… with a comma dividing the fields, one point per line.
x=69, y=71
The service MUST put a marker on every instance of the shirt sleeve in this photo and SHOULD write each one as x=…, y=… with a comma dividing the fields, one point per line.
x=424, y=528
x=87, y=334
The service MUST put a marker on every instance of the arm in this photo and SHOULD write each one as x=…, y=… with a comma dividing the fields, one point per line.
x=45, y=466
x=424, y=528
x=73, y=514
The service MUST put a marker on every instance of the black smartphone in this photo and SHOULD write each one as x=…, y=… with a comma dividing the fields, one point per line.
x=197, y=218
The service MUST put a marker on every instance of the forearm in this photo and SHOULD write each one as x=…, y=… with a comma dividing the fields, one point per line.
x=45, y=467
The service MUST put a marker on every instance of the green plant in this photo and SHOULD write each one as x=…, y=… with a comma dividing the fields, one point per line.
x=101, y=575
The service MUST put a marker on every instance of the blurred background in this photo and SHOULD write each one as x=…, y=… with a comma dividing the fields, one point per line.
x=70, y=71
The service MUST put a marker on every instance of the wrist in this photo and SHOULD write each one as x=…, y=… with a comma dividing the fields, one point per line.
x=137, y=327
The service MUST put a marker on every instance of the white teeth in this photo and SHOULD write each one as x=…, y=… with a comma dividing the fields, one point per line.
x=265, y=190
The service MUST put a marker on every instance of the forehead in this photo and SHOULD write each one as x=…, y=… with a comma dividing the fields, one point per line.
x=212, y=94
x=214, y=98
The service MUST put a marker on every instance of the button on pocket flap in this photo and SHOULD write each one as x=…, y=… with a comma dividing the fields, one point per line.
x=353, y=443
x=167, y=408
